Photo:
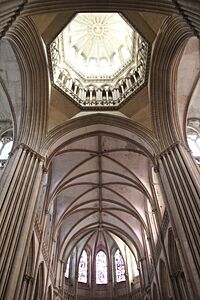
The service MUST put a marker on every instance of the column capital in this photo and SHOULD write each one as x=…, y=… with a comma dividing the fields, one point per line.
x=174, y=145
x=28, y=148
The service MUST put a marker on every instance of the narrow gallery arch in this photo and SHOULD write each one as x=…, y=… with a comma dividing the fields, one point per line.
x=164, y=281
x=178, y=276
x=155, y=292
x=40, y=283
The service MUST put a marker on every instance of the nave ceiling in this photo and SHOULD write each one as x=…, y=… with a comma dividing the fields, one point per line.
x=100, y=183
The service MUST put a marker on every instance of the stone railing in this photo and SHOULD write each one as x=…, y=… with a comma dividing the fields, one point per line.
x=135, y=295
x=108, y=95
x=68, y=296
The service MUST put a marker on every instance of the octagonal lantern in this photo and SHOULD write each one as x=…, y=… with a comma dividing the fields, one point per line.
x=99, y=60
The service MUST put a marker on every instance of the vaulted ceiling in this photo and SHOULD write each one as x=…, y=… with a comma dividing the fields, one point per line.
x=100, y=183
x=100, y=187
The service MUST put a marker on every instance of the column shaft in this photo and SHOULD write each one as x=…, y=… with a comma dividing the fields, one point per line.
x=182, y=191
x=18, y=198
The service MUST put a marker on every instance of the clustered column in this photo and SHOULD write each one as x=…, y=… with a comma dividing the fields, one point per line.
x=178, y=174
x=18, y=202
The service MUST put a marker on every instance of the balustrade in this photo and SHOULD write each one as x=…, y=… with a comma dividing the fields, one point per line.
x=111, y=95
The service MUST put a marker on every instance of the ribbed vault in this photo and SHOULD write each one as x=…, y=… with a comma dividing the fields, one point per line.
x=100, y=186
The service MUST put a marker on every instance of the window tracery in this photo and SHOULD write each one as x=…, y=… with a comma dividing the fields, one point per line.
x=101, y=268
x=119, y=267
x=82, y=269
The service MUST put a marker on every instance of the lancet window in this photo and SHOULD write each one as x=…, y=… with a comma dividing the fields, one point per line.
x=6, y=144
x=119, y=267
x=83, y=267
x=193, y=138
x=67, y=268
x=101, y=268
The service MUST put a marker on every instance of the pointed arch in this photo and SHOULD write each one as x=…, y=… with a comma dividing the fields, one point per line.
x=28, y=46
x=26, y=287
x=83, y=268
x=101, y=268
x=168, y=48
x=155, y=292
x=178, y=276
x=39, y=286
x=49, y=293
x=164, y=281
x=67, y=268
x=119, y=267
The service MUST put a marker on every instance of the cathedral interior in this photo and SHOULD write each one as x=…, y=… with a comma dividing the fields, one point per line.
x=99, y=150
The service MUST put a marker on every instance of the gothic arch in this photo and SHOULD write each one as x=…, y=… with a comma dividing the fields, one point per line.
x=168, y=48
x=105, y=271
x=49, y=293
x=40, y=283
x=164, y=281
x=26, y=42
x=8, y=124
x=155, y=292
x=65, y=133
x=28, y=48
x=7, y=109
x=27, y=282
x=83, y=263
x=188, y=88
x=60, y=143
x=178, y=276
x=122, y=265
x=10, y=88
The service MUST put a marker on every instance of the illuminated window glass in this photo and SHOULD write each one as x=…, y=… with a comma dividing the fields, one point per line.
x=101, y=268
x=193, y=138
x=6, y=144
x=82, y=269
x=67, y=268
x=119, y=267
x=97, y=49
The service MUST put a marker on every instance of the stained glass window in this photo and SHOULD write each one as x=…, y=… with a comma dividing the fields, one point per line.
x=119, y=267
x=101, y=268
x=67, y=268
x=193, y=138
x=6, y=144
x=82, y=269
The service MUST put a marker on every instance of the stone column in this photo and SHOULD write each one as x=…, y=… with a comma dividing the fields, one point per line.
x=18, y=204
x=181, y=182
